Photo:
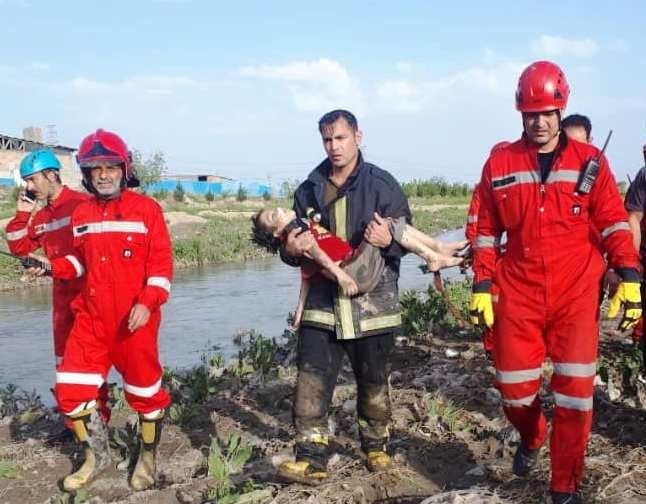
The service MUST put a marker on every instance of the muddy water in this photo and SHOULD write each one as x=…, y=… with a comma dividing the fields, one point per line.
x=207, y=306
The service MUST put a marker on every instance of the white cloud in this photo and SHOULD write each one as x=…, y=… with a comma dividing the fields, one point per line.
x=549, y=46
x=406, y=95
x=314, y=86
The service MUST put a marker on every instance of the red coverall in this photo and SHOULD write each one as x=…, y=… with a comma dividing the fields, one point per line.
x=122, y=249
x=549, y=279
x=51, y=230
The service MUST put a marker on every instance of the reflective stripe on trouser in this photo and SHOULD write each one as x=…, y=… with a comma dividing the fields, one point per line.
x=320, y=356
x=89, y=357
x=524, y=334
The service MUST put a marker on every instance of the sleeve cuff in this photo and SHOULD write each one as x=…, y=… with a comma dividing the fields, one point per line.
x=482, y=286
x=628, y=274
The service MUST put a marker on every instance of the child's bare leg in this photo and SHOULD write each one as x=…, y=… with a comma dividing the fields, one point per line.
x=300, y=307
x=439, y=246
x=411, y=241
x=348, y=285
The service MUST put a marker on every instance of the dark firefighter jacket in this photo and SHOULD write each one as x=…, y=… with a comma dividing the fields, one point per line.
x=369, y=189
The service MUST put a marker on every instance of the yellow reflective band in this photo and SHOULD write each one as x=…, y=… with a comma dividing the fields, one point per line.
x=381, y=322
x=319, y=316
x=148, y=432
x=344, y=305
x=78, y=425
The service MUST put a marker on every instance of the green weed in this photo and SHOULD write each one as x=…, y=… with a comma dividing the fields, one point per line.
x=222, y=464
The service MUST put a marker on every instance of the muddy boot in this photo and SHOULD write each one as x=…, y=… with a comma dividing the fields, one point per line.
x=91, y=432
x=566, y=498
x=301, y=471
x=150, y=426
x=378, y=460
x=525, y=460
x=309, y=468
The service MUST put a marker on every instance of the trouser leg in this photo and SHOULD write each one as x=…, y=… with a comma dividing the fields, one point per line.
x=370, y=358
x=319, y=360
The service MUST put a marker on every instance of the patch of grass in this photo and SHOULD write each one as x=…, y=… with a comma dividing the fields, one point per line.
x=444, y=414
x=8, y=469
x=221, y=240
x=439, y=221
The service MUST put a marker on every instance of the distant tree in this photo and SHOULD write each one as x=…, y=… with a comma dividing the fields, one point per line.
x=209, y=196
x=149, y=170
x=242, y=193
x=179, y=194
x=266, y=196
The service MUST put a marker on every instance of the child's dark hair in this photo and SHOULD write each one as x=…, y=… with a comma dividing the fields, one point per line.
x=262, y=236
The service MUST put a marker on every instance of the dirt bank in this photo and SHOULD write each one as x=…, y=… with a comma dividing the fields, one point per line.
x=449, y=438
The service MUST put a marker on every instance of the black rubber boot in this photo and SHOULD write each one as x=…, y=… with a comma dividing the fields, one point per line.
x=566, y=498
x=524, y=460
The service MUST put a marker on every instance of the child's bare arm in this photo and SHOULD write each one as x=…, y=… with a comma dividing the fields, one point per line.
x=348, y=285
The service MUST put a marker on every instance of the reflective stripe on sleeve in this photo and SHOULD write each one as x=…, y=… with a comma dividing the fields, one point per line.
x=17, y=235
x=80, y=270
x=162, y=282
x=472, y=219
x=619, y=226
x=483, y=241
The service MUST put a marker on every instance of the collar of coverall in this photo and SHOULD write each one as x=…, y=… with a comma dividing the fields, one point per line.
x=533, y=148
x=60, y=199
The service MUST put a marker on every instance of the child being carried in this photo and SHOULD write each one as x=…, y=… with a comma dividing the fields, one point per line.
x=356, y=271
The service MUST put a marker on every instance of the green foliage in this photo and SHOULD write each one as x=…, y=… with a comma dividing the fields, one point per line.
x=179, y=194
x=242, y=194
x=8, y=469
x=209, y=196
x=182, y=414
x=222, y=464
x=149, y=170
x=288, y=188
x=442, y=413
x=118, y=396
x=435, y=186
x=15, y=401
x=256, y=352
x=160, y=195
x=420, y=312
x=266, y=196
x=125, y=442
x=623, y=368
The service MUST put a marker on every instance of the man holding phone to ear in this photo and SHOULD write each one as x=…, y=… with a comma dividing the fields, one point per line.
x=49, y=228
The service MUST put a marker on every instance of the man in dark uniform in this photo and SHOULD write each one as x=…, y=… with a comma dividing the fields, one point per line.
x=353, y=198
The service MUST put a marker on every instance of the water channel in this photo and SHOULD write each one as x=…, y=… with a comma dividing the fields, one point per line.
x=207, y=306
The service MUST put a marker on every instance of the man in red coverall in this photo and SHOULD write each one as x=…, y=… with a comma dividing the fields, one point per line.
x=549, y=276
x=122, y=249
x=49, y=229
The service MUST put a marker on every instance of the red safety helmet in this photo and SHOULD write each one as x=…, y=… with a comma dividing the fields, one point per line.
x=499, y=146
x=542, y=87
x=103, y=148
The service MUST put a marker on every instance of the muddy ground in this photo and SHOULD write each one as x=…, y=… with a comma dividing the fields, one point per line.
x=449, y=439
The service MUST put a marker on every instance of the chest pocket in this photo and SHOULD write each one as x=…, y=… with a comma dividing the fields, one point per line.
x=509, y=204
x=131, y=247
x=573, y=208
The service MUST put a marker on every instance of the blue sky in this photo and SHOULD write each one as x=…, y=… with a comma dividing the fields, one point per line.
x=236, y=88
